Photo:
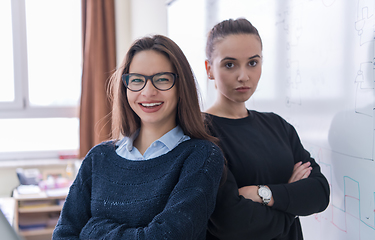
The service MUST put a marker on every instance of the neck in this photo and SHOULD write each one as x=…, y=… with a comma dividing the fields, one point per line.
x=150, y=133
x=228, y=109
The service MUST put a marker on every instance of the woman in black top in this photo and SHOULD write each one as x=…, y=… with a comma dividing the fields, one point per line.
x=270, y=179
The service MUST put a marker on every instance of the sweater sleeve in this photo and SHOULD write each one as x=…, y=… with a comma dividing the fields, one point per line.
x=187, y=211
x=76, y=210
x=236, y=217
x=304, y=197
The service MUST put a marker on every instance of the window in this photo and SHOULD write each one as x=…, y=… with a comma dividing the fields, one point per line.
x=41, y=66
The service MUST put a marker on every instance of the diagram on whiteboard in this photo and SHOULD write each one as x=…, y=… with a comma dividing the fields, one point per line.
x=329, y=87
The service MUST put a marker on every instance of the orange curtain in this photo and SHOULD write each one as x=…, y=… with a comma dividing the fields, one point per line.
x=99, y=61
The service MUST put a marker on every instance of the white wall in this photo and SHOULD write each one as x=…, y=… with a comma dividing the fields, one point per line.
x=138, y=18
x=123, y=20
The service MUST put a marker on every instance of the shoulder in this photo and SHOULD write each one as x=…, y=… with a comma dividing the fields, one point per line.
x=200, y=157
x=198, y=145
x=269, y=117
x=277, y=123
x=265, y=115
x=207, y=118
x=199, y=151
x=98, y=153
x=93, y=158
x=103, y=148
x=210, y=148
x=208, y=123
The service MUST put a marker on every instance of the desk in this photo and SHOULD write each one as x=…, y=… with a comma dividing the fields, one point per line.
x=35, y=216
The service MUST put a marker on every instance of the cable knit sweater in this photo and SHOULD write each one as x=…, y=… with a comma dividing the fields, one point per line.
x=168, y=197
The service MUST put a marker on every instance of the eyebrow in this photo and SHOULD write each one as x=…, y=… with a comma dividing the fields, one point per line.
x=233, y=59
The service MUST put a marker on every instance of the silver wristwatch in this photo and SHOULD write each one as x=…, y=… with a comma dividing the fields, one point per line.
x=265, y=194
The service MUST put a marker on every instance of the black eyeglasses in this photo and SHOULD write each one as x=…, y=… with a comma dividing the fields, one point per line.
x=162, y=81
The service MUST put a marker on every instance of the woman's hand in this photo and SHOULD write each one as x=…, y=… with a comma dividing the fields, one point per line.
x=251, y=192
x=300, y=171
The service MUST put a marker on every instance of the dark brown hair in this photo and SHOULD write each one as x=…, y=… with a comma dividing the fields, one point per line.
x=125, y=121
x=228, y=27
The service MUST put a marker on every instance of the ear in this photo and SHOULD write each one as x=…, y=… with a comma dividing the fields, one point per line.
x=208, y=70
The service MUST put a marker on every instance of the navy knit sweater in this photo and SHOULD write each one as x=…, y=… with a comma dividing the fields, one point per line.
x=168, y=197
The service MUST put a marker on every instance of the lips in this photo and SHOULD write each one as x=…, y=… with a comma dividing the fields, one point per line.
x=151, y=107
x=242, y=89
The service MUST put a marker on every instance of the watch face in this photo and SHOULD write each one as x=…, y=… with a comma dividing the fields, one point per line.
x=264, y=193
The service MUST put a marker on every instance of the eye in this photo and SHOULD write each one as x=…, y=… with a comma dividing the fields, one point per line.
x=229, y=65
x=162, y=79
x=253, y=63
x=136, y=80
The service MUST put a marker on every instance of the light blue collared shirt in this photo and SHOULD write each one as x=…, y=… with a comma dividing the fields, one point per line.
x=159, y=147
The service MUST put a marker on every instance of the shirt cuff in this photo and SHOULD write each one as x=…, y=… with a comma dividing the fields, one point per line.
x=280, y=197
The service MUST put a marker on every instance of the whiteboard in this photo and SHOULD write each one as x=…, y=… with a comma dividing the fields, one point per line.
x=318, y=74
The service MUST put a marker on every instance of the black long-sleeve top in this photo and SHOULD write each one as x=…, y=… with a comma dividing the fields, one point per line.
x=263, y=149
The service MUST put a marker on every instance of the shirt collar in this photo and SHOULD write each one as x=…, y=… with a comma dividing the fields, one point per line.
x=127, y=142
x=171, y=139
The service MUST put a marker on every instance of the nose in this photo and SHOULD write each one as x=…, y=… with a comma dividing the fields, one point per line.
x=243, y=75
x=149, y=89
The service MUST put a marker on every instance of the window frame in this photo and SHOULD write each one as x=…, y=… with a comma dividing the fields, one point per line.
x=21, y=107
x=19, y=58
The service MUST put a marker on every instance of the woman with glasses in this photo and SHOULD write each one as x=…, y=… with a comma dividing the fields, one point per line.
x=159, y=177
x=271, y=178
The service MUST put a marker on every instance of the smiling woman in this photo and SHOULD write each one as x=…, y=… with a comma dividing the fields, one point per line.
x=162, y=161
x=156, y=108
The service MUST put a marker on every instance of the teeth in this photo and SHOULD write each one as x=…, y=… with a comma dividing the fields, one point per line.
x=150, y=104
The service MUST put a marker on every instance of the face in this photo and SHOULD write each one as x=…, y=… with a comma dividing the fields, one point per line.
x=236, y=67
x=154, y=107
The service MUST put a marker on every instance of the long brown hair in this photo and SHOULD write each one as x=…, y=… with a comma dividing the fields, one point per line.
x=125, y=121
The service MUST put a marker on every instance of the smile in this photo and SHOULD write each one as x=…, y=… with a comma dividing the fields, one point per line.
x=151, y=104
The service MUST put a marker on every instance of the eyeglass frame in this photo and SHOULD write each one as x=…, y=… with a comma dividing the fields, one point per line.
x=123, y=78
